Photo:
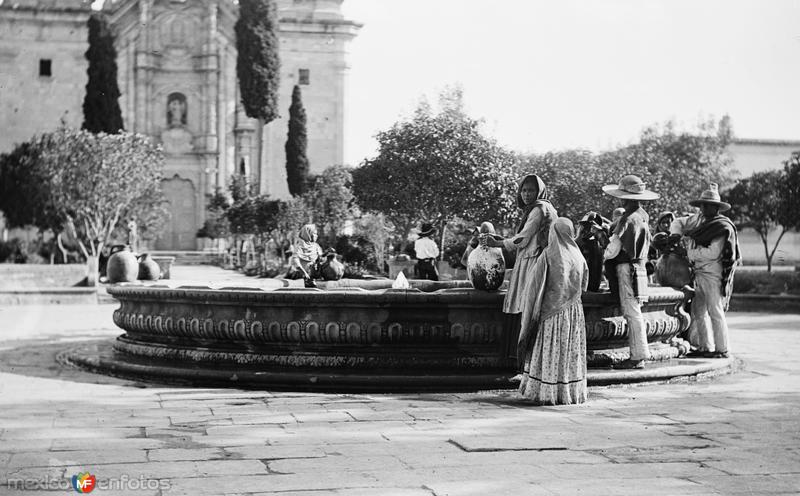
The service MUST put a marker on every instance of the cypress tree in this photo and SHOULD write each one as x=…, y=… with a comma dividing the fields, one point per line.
x=257, y=63
x=101, y=112
x=296, y=143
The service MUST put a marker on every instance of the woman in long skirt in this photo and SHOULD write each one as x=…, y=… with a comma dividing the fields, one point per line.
x=553, y=332
x=527, y=246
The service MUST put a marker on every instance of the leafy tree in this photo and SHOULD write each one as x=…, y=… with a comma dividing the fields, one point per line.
x=677, y=165
x=91, y=183
x=756, y=203
x=97, y=181
x=378, y=231
x=296, y=143
x=331, y=202
x=434, y=167
x=216, y=225
x=24, y=197
x=789, y=209
x=257, y=63
x=101, y=112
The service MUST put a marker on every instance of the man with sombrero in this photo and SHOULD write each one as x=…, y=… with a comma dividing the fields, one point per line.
x=712, y=247
x=427, y=250
x=626, y=259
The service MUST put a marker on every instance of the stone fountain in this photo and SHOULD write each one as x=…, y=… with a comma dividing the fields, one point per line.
x=347, y=335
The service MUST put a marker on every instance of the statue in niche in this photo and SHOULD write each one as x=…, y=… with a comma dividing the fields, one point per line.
x=177, y=32
x=176, y=110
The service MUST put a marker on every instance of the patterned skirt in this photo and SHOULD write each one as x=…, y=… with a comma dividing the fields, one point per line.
x=555, y=367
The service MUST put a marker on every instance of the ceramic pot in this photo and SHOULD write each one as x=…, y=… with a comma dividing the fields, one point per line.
x=148, y=268
x=332, y=269
x=673, y=270
x=486, y=268
x=122, y=265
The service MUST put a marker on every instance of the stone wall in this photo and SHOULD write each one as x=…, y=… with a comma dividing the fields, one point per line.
x=32, y=276
x=30, y=103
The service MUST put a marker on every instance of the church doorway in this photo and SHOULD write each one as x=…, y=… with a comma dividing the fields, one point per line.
x=180, y=232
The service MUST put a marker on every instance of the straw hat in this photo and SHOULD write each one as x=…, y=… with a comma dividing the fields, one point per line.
x=711, y=195
x=630, y=188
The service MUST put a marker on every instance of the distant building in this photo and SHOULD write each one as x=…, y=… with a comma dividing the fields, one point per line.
x=757, y=155
x=177, y=75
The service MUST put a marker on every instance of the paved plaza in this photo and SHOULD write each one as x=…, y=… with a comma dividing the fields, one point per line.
x=735, y=434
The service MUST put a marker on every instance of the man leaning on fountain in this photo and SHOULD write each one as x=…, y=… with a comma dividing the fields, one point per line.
x=626, y=256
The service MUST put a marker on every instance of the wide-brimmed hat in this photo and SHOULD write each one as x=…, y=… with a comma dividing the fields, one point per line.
x=711, y=195
x=427, y=229
x=630, y=187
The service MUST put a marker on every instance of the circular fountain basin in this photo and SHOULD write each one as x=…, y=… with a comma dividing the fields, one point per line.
x=349, y=334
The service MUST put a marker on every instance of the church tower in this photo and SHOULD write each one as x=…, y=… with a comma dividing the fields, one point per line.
x=176, y=63
x=177, y=72
x=42, y=67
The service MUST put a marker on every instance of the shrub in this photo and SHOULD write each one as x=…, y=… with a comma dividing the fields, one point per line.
x=357, y=250
x=354, y=271
x=763, y=282
x=21, y=252
x=10, y=251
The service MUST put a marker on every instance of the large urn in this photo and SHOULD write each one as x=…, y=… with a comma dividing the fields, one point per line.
x=149, y=270
x=486, y=268
x=122, y=265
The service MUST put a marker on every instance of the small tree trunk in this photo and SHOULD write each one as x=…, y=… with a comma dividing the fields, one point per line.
x=766, y=250
x=441, y=241
x=92, y=270
x=61, y=248
x=774, y=249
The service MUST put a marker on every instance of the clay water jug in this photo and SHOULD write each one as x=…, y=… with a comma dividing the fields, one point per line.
x=122, y=265
x=486, y=268
x=148, y=268
x=332, y=269
x=673, y=270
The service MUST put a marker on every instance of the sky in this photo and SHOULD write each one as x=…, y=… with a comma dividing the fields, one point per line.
x=556, y=74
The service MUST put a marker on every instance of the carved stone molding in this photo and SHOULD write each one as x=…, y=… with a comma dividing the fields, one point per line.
x=449, y=327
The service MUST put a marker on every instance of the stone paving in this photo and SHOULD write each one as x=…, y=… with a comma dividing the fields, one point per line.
x=736, y=434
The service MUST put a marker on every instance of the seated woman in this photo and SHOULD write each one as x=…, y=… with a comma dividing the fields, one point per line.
x=305, y=254
x=553, y=333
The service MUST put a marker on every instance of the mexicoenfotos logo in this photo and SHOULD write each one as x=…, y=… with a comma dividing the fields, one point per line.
x=84, y=482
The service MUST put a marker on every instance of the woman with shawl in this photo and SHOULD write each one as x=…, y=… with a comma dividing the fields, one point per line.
x=529, y=242
x=553, y=335
x=306, y=251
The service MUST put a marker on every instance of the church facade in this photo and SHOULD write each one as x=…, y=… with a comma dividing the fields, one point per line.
x=176, y=64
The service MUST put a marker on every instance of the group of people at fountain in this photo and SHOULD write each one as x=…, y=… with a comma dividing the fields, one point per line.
x=551, y=273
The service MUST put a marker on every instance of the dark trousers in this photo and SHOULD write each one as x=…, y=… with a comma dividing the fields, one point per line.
x=427, y=269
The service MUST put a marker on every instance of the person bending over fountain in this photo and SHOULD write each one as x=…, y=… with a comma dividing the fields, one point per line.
x=529, y=242
x=553, y=333
x=626, y=256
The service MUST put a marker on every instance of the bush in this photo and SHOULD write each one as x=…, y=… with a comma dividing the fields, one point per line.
x=357, y=250
x=354, y=271
x=769, y=283
x=11, y=251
